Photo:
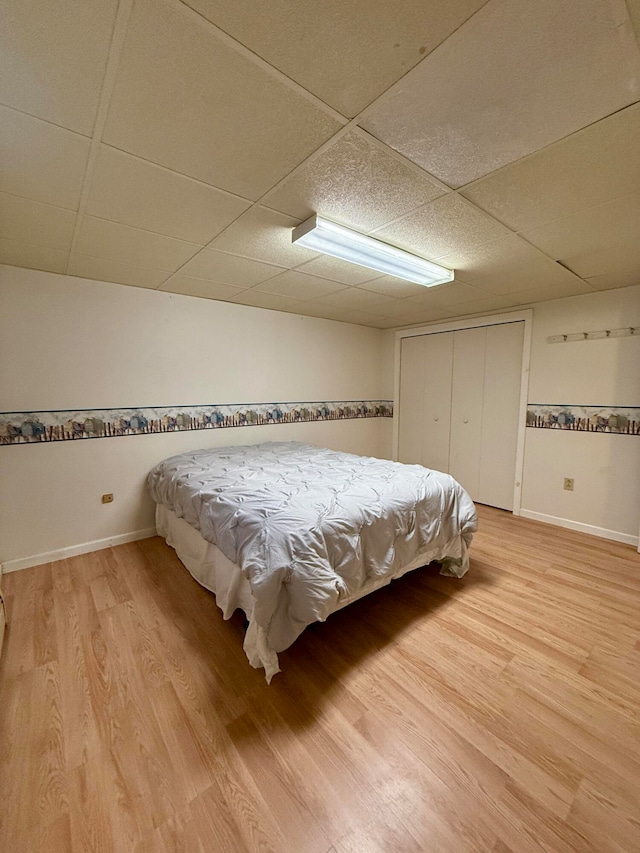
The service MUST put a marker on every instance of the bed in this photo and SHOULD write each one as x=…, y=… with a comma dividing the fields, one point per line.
x=290, y=532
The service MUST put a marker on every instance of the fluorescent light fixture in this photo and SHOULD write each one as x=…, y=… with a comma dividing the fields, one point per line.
x=340, y=242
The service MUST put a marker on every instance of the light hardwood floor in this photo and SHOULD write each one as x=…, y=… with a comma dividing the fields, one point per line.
x=495, y=713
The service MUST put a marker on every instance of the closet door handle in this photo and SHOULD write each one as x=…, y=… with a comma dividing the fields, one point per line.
x=435, y=417
x=466, y=420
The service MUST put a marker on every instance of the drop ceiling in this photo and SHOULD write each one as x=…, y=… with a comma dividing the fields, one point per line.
x=175, y=145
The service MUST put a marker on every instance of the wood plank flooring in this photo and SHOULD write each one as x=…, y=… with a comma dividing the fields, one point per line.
x=499, y=713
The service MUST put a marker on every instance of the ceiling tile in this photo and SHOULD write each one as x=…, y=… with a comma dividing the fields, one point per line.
x=266, y=300
x=423, y=315
x=589, y=230
x=389, y=285
x=41, y=161
x=471, y=262
x=513, y=278
x=600, y=163
x=112, y=241
x=634, y=14
x=135, y=192
x=102, y=269
x=357, y=299
x=389, y=323
x=229, y=269
x=345, y=53
x=477, y=306
x=53, y=58
x=409, y=307
x=338, y=270
x=265, y=236
x=611, y=281
x=359, y=318
x=320, y=309
x=354, y=182
x=32, y=222
x=297, y=285
x=186, y=100
x=621, y=260
x=444, y=296
x=542, y=294
x=33, y=257
x=514, y=78
x=453, y=294
x=441, y=227
x=199, y=287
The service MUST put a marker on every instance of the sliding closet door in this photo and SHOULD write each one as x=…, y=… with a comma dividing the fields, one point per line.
x=466, y=408
x=438, y=355
x=411, y=404
x=425, y=400
x=459, y=407
x=500, y=410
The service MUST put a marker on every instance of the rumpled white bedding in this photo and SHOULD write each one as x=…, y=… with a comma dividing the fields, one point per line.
x=309, y=527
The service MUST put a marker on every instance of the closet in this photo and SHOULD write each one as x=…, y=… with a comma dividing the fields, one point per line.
x=459, y=406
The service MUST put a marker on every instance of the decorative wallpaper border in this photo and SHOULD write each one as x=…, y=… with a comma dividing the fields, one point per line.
x=621, y=420
x=72, y=424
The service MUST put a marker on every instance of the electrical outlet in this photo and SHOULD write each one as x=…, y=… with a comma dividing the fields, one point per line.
x=568, y=484
x=107, y=499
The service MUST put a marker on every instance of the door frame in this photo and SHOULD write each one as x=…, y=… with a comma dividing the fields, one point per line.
x=523, y=316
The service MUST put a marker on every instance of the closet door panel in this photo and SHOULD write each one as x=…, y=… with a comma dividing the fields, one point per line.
x=425, y=400
x=502, y=379
x=438, y=370
x=410, y=415
x=466, y=408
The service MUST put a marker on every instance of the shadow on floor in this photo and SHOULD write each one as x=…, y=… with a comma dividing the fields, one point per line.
x=319, y=664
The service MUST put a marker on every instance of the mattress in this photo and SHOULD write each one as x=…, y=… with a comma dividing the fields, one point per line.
x=306, y=530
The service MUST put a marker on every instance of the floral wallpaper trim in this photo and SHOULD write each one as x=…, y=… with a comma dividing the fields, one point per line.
x=622, y=420
x=71, y=424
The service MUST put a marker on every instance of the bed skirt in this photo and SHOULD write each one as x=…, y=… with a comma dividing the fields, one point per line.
x=215, y=572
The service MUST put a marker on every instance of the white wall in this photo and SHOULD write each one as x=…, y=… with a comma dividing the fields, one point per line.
x=605, y=467
x=70, y=343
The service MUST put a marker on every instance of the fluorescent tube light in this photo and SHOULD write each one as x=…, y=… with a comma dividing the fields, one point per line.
x=340, y=242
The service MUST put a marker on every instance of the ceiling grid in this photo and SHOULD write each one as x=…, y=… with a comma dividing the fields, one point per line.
x=175, y=145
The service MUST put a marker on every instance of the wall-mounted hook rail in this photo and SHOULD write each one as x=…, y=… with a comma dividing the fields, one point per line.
x=599, y=334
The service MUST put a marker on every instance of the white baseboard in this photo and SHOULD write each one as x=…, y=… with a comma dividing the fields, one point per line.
x=134, y=536
x=75, y=550
x=614, y=535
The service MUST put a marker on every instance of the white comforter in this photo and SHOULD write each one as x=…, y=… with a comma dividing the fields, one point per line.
x=309, y=527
